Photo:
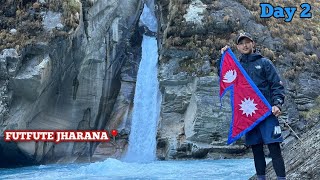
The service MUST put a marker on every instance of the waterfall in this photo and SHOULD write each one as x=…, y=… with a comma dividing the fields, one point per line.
x=142, y=139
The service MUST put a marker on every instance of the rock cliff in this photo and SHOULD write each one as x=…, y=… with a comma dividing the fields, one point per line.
x=302, y=158
x=69, y=80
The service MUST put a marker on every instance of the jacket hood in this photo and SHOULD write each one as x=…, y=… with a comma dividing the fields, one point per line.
x=250, y=57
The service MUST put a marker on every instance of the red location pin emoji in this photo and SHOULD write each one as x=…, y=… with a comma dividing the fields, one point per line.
x=114, y=132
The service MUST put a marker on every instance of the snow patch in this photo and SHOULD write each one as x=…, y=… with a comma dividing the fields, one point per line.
x=13, y=31
x=195, y=12
x=9, y=53
x=32, y=69
x=52, y=20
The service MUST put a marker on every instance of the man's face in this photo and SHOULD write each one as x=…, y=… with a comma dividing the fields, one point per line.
x=245, y=46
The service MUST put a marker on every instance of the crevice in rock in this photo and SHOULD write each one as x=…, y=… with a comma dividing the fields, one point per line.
x=75, y=85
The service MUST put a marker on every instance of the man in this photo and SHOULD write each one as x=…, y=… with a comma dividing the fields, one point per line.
x=264, y=75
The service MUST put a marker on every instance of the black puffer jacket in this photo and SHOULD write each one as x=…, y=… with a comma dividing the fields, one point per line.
x=264, y=75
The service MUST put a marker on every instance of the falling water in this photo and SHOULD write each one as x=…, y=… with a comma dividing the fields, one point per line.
x=142, y=139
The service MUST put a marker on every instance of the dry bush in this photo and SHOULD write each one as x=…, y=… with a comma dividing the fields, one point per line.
x=71, y=11
x=290, y=74
x=268, y=53
x=313, y=58
x=191, y=45
x=219, y=43
x=209, y=43
x=315, y=42
x=177, y=41
x=294, y=43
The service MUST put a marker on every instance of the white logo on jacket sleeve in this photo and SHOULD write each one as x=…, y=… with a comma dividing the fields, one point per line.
x=258, y=67
x=230, y=76
x=248, y=107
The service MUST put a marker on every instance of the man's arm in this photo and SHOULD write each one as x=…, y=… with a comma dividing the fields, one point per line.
x=277, y=88
x=218, y=62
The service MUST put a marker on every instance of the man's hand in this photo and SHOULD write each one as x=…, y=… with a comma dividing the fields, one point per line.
x=276, y=111
x=224, y=49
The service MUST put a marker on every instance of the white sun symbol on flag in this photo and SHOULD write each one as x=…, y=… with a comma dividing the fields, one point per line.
x=248, y=107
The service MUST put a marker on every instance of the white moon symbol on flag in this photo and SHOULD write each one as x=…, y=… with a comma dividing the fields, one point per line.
x=230, y=76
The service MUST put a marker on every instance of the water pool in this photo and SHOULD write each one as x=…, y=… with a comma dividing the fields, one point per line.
x=115, y=169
